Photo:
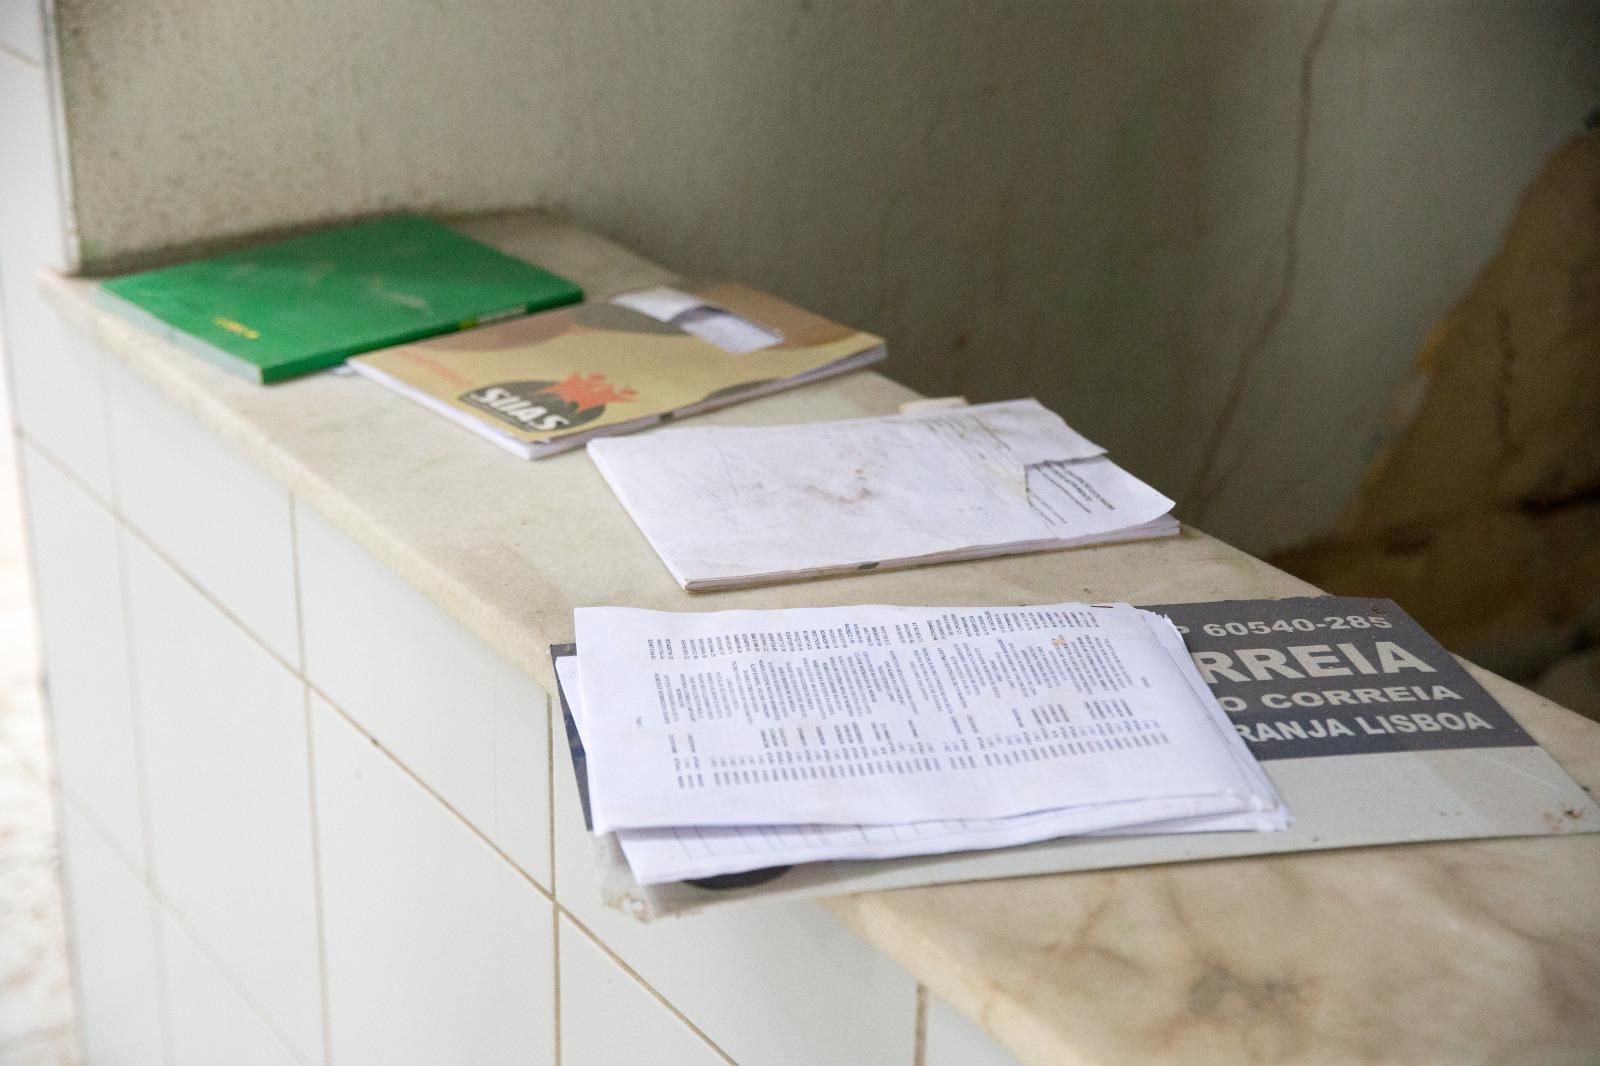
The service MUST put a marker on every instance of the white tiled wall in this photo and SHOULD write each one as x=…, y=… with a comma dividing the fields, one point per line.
x=608, y=1017
x=220, y=519
x=772, y=985
x=229, y=794
x=55, y=371
x=208, y=1023
x=74, y=547
x=430, y=692
x=115, y=960
x=60, y=405
x=366, y=878
x=438, y=951
x=952, y=1040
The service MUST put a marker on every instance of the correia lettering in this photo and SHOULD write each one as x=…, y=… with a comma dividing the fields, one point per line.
x=1310, y=660
x=1324, y=728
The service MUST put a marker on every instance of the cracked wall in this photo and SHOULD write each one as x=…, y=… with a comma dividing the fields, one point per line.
x=1208, y=478
x=1211, y=235
x=1481, y=513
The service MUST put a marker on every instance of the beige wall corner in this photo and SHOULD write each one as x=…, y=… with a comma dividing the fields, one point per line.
x=1481, y=514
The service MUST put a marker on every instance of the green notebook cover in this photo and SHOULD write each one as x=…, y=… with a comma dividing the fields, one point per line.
x=294, y=306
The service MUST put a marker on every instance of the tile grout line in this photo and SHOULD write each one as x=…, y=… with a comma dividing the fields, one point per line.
x=206, y=952
x=150, y=545
x=136, y=714
x=63, y=468
x=294, y=566
x=428, y=790
x=312, y=812
x=58, y=799
x=548, y=893
x=124, y=594
x=312, y=688
x=316, y=877
x=299, y=675
x=577, y=923
x=20, y=57
x=63, y=792
x=555, y=908
x=158, y=945
x=215, y=604
x=165, y=907
x=555, y=977
x=550, y=780
x=67, y=799
x=125, y=528
x=194, y=583
x=135, y=703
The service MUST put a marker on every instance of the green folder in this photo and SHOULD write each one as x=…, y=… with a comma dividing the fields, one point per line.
x=294, y=306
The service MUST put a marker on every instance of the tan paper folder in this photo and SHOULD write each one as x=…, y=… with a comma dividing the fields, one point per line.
x=545, y=383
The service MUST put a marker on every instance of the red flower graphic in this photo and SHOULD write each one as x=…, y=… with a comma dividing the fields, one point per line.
x=591, y=390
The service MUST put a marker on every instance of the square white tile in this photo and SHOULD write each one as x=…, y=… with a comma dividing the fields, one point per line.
x=22, y=28
x=781, y=984
x=73, y=541
x=438, y=950
x=114, y=952
x=228, y=777
x=435, y=696
x=952, y=1040
x=608, y=1017
x=215, y=514
x=208, y=1023
x=58, y=394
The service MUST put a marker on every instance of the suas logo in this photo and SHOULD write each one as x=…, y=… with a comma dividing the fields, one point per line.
x=543, y=406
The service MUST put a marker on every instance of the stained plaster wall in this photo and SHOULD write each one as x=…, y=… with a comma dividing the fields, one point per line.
x=1211, y=235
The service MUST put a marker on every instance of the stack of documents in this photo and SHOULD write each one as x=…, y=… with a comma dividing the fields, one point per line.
x=543, y=384
x=727, y=507
x=740, y=740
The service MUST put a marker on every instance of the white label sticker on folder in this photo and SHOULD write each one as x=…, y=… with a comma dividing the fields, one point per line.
x=730, y=332
x=660, y=303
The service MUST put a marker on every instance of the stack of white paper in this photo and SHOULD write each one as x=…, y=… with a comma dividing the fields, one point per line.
x=732, y=506
x=724, y=742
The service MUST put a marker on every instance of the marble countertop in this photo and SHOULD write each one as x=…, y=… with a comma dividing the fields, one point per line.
x=1482, y=950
